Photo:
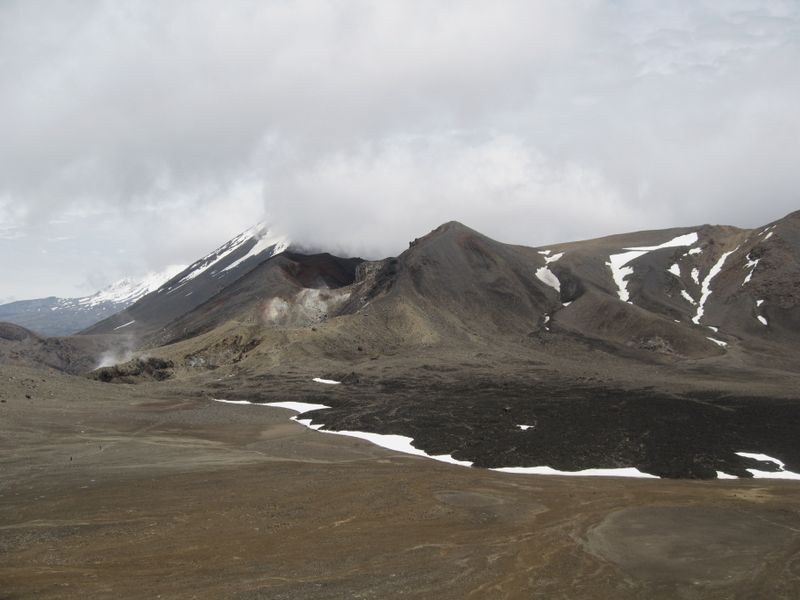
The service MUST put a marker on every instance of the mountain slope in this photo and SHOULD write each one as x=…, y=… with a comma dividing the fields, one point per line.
x=76, y=354
x=195, y=284
x=463, y=285
x=706, y=292
x=66, y=316
x=286, y=289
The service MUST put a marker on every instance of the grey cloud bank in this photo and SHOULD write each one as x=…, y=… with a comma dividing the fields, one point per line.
x=141, y=134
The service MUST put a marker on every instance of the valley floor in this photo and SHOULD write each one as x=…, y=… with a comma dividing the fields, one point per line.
x=148, y=491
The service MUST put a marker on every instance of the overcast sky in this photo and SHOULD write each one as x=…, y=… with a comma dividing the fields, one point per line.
x=134, y=135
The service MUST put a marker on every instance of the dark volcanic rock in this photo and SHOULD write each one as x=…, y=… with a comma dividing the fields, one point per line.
x=572, y=426
x=137, y=369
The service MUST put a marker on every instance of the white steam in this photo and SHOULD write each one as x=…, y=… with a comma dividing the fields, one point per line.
x=308, y=306
x=122, y=351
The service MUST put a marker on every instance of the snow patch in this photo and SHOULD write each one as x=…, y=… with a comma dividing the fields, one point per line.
x=769, y=235
x=706, y=287
x=298, y=407
x=398, y=443
x=326, y=381
x=751, y=264
x=125, y=325
x=712, y=328
x=759, y=303
x=758, y=474
x=693, y=251
x=619, y=272
x=688, y=298
x=618, y=262
x=718, y=342
x=696, y=275
x=721, y=475
x=232, y=401
x=526, y=427
x=554, y=258
x=762, y=320
x=621, y=472
x=547, y=277
x=675, y=269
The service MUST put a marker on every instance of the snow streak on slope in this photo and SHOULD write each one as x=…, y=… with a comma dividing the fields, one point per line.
x=545, y=275
x=263, y=240
x=706, y=287
x=618, y=262
x=751, y=264
x=554, y=258
x=208, y=261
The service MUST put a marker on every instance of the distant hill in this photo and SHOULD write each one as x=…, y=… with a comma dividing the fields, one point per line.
x=66, y=316
x=76, y=355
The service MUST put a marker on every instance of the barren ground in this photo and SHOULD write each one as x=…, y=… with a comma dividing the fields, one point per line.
x=154, y=491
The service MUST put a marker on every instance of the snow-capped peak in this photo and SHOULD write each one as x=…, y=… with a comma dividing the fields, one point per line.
x=264, y=239
x=128, y=290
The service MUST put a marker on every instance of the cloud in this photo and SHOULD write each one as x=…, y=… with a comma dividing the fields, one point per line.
x=379, y=196
x=152, y=131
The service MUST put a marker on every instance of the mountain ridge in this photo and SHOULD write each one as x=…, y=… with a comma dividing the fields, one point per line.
x=680, y=293
x=54, y=316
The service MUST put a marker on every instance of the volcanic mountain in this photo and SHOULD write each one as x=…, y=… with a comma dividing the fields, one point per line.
x=670, y=295
x=195, y=284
